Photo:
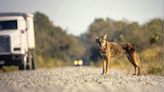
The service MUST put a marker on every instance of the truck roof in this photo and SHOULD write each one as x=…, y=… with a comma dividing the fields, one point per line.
x=16, y=14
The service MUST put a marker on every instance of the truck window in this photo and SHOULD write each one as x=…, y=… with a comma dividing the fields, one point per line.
x=7, y=25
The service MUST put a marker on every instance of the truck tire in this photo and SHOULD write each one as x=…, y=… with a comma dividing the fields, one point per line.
x=0, y=67
x=21, y=67
x=31, y=61
x=23, y=63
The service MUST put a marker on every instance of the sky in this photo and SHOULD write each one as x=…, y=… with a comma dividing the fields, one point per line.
x=75, y=16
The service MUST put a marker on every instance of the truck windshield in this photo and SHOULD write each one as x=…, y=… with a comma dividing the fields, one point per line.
x=7, y=25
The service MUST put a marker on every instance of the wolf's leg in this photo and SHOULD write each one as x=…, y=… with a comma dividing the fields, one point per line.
x=107, y=65
x=104, y=67
x=136, y=61
x=138, y=70
x=134, y=64
x=131, y=59
x=135, y=68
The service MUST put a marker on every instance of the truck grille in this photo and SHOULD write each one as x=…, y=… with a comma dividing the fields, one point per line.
x=4, y=43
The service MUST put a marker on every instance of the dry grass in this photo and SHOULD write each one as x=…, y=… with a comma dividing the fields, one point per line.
x=43, y=62
x=151, y=62
x=9, y=69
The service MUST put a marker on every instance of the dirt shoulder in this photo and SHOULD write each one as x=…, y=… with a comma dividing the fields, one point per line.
x=78, y=79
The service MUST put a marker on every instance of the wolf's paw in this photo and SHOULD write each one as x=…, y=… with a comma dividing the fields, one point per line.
x=102, y=73
x=139, y=73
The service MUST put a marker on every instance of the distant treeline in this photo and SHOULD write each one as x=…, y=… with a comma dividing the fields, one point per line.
x=54, y=43
x=145, y=36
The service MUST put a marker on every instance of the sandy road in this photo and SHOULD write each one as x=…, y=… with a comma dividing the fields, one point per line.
x=78, y=79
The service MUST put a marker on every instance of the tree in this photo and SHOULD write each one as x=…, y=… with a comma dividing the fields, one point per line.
x=53, y=42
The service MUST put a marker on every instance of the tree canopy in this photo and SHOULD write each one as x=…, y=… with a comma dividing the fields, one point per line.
x=53, y=42
x=143, y=36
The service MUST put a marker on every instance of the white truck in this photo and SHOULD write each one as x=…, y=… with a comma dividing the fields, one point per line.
x=17, y=40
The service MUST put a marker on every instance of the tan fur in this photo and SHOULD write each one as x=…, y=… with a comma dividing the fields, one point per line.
x=111, y=49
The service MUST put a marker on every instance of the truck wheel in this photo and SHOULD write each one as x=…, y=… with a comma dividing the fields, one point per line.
x=0, y=67
x=29, y=62
x=21, y=67
x=23, y=64
x=33, y=62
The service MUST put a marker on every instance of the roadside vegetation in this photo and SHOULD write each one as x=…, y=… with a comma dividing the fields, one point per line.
x=148, y=39
x=55, y=47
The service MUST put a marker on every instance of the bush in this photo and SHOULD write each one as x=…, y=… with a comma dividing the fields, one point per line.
x=154, y=70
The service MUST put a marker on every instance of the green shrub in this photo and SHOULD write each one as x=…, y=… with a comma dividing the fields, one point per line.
x=154, y=70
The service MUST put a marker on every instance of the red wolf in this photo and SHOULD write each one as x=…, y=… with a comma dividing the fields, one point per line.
x=110, y=49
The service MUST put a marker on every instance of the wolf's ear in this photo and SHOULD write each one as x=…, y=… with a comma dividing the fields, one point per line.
x=98, y=42
x=133, y=47
x=105, y=37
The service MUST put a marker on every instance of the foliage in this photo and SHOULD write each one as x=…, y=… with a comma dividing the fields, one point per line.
x=54, y=47
x=148, y=39
x=53, y=43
